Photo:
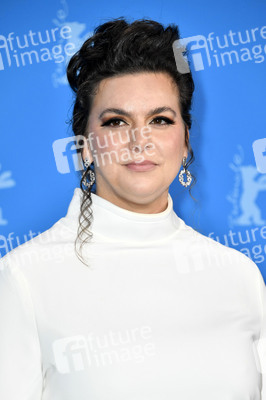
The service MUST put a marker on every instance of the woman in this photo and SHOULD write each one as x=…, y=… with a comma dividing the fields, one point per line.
x=158, y=311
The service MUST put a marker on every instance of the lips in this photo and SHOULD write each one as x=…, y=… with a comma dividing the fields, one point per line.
x=146, y=162
x=141, y=167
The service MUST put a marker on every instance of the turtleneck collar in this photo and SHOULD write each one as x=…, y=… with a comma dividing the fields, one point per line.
x=115, y=224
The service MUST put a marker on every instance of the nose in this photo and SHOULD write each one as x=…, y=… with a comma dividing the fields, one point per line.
x=139, y=140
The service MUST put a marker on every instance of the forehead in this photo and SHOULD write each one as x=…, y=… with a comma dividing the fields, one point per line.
x=141, y=87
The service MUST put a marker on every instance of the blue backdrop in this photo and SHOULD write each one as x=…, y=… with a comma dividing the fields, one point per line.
x=227, y=42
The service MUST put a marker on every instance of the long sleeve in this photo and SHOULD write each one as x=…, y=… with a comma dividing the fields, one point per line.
x=20, y=356
x=260, y=344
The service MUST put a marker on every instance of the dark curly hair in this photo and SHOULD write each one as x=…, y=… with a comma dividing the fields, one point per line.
x=115, y=48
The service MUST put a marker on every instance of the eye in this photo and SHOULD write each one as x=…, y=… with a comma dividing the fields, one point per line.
x=166, y=120
x=112, y=121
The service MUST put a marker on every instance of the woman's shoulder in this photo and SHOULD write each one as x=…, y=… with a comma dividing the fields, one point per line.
x=47, y=248
x=204, y=248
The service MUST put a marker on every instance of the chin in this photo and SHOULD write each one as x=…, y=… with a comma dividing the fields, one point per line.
x=140, y=196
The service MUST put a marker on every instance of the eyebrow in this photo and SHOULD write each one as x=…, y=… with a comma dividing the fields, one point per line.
x=156, y=110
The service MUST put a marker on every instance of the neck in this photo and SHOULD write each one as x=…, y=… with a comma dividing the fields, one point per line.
x=147, y=205
x=112, y=223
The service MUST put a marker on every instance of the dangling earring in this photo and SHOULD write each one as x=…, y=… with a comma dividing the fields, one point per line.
x=91, y=174
x=185, y=171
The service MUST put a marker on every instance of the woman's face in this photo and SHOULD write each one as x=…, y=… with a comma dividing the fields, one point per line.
x=134, y=120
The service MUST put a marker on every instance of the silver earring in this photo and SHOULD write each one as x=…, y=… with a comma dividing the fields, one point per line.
x=91, y=174
x=87, y=163
x=186, y=172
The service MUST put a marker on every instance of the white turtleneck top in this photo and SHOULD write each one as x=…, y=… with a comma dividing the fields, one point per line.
x=161, y=313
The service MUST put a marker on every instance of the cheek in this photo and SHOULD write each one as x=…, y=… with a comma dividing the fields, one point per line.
x=173, y=146
x=99, y=143
x=109, y=140
x=106, y=149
